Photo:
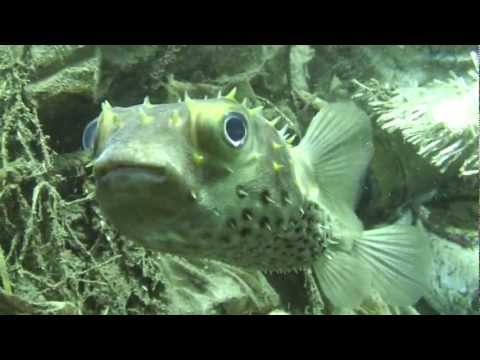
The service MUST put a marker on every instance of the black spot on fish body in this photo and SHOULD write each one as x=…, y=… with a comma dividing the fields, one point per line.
x=298, y=229
x=241, y=192
x=232, y=224
x=206, y=235
x=302, y=248
x=191, y=196
x=247, y=214
x=313, y=249
x=265, y=224
x=302, y=212
x=266, y=197
x=304, y=240
x=279, y=222
x=292, y=223
x=285, y=198
x=225, y=239
x=312, y=219
x=245, y=232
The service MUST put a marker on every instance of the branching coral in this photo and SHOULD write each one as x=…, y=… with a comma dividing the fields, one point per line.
x=440, y=118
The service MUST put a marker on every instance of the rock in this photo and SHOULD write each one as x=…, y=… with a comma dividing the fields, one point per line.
x=15, y=305
x=300, y=57
x=63, y=86
x=401, y=65
x=210, y=287
x=46, y=60
x=77, y=80
x=374, y=305
x=454, y=283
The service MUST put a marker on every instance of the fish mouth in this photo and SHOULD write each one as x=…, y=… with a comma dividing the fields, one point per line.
x=155, y=173
x=142, y=201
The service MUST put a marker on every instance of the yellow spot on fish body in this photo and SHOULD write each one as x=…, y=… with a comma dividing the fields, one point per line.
x=277, y=167
x=187, y=98
x=198, y=159
x=146, y=119
x=107, y=113
x=255, y=155
x=106, y=107
x=109, y=119
x=174, y=120
x=255, y=111
x=203, y=114
x=274, y=122
x=203, y=110
x=146, y=103
x=231, y=94
x=276, y=146
x=291, y=139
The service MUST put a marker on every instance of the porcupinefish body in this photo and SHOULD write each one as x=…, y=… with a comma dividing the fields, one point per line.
x=215, y=179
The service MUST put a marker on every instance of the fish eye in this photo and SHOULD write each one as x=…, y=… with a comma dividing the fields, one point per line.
x=235, y=129
x=89, y=135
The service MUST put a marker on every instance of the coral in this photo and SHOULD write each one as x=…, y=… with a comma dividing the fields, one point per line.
x=440, y=119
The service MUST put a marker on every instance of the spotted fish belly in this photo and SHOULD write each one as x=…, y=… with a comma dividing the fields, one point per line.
x=270, y=236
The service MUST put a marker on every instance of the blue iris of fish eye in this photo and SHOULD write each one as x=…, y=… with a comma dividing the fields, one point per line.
x=89, y=135
x=235, y=129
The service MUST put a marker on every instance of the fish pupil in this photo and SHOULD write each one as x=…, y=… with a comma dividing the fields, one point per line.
x=236, y=129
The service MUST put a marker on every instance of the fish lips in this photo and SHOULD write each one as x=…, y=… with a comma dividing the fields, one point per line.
x=134, y=195
x=128, y=176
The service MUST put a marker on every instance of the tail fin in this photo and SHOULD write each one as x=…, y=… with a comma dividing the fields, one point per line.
x=394, y=260
x=399, y=257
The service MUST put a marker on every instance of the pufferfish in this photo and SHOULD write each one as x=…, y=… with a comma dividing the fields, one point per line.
x=215, y=179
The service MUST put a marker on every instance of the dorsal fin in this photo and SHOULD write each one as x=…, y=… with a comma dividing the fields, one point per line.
x=339, y=147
